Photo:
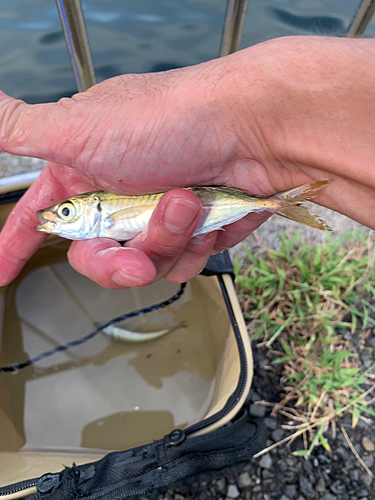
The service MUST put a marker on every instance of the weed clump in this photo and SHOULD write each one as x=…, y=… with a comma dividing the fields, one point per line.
x=299, y=298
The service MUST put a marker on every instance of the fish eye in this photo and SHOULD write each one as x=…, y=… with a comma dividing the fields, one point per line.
x=67, y=211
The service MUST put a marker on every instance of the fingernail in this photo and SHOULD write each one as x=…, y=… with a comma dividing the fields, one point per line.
x=216, y=251
x=124, y=279
x=179, y=215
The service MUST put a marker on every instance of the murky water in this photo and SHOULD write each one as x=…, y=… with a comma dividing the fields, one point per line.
x=142, y=36
x=104, y=394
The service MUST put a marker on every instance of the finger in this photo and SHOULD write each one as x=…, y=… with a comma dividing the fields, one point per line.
x=110, y=264
x=18, y=238
x=31, y=129
x=170, y=229
x=193, y=259
x=238, y=231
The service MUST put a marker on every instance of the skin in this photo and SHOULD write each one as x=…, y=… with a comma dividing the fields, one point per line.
x=265, y=119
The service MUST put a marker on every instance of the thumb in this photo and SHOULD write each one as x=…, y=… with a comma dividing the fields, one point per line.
x=40, y=130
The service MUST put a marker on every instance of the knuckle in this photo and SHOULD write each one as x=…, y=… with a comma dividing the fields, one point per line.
x=11, y=113
x=162, y=251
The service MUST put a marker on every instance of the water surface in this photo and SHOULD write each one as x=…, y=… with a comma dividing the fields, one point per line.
x=147, y=35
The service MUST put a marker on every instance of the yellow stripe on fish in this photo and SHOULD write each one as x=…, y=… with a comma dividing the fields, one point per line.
x=105, y=215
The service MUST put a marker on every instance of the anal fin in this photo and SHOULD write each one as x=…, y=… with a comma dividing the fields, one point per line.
x=302, y=215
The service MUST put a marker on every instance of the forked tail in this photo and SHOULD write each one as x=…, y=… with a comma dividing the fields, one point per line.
x=292, y=199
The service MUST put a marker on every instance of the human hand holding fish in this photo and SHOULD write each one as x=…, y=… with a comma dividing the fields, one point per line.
x=264, y=120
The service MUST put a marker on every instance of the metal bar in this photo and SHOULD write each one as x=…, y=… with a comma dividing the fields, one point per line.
x=73, y=24
x=18, y=182
x=232, y=32
x=361, y=19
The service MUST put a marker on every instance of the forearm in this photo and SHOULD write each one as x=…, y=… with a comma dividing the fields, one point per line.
x=324, y=104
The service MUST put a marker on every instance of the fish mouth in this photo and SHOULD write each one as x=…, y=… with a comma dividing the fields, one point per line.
x=47, y=223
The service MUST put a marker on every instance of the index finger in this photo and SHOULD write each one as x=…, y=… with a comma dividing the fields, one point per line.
x=19, y=239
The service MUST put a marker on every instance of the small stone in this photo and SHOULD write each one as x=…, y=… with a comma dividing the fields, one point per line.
x=270, y=423
x=307, y=466
x=263, y=363
x=354, y=474
x=320, y=486
x=368, y=459
x=342, y=452
x=326, y=477
x=244, y=480
x=362, y=493
x=358, y=447
x=366, y=479
x=367, y=444
x=291, y=490
x=284, y=497
x=338, y=488
x=291, y=461
x=254, y=396
x=323, y=459
x=301, y=497
x=233, y=491
x=266, y=461
x=257, y=410
x=361, y=425
x=277, y=435
x=341, y=439
x=178, y=497
x=329, y=496
x=367, y=363
x=306, y=487
x=221, y=483
x=266, y=474
x=205, y=495
x=347, y=334
x=371, y=341
x=290, y=476
x=282, y=465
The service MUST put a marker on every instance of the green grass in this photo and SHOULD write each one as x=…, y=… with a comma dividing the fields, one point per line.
x=300, y=296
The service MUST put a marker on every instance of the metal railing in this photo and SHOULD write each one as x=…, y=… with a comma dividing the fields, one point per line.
x=73, y=24
x=233, y=25
x=361, y=19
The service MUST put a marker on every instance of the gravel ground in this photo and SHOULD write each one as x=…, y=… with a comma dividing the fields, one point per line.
x=278, y=474
x=14, y=165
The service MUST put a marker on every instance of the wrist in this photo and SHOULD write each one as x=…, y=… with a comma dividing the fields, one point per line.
x=314, y=105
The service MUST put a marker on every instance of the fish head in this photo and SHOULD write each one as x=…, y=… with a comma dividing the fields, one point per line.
x=77, y=218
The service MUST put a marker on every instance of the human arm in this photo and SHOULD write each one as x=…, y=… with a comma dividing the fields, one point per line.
x=265, y=119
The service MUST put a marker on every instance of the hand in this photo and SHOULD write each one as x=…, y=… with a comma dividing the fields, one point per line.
x=264, y=119
x=133, y=144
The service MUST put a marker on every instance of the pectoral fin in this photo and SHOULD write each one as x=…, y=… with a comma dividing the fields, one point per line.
x=129, y=213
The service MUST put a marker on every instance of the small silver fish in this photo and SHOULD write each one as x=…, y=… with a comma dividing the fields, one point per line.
x=100, y=214
x=118, y=333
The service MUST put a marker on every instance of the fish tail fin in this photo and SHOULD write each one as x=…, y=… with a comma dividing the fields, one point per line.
x=291, y=204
